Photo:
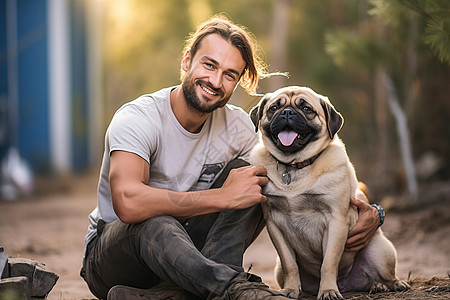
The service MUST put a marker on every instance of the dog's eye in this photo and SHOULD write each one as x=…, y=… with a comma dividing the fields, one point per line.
x=273, y=108
x=306, y=109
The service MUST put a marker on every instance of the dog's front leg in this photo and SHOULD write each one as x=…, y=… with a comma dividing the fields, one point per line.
x=290, y=277
x=333, y=247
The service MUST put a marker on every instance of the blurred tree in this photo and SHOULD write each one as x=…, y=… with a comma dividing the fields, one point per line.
x=386, y=46
x=199, y=11
x=143, y=44
x=256, y=16
x=435, y=14
x=336, y=47
x=279, y=36
x=144, y=40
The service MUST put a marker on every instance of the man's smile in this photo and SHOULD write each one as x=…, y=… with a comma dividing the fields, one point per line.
x=208, y=90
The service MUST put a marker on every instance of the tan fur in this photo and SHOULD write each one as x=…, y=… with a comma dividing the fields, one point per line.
x=308, y=220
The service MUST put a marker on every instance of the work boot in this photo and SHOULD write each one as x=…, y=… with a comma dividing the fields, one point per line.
x=248, y=286
x=163, y=291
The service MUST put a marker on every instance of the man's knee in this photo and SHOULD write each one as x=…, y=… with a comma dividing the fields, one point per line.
x=158, y=223
x=234, y=164
x=160, y=229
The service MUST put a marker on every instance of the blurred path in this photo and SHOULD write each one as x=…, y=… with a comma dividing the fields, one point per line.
x=50, y=228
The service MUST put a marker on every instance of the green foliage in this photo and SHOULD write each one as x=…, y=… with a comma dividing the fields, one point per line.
x=437, y=36
x=435, y=13
x=333, y=46
x=142, y=47
x=350, y=50
x=391, y=11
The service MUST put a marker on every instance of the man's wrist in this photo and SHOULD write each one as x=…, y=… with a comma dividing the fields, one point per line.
x=381, y=213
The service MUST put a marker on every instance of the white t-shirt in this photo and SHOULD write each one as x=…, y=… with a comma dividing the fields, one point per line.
x=178, y=159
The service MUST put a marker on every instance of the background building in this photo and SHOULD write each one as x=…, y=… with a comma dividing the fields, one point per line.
x=49, y=83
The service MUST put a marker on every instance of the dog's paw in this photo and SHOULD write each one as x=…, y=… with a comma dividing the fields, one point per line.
x=329, y=295
x=378, y=288
x=400, y=285
x=291, y=293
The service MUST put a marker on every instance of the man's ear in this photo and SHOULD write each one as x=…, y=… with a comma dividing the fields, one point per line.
x=332, y=117
x=257, y=111
x=186, y=61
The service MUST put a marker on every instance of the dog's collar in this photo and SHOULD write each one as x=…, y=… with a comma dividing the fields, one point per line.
x=302, y=164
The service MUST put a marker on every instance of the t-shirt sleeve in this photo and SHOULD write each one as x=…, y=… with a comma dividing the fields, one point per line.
x=242, y=133
x=131, y=130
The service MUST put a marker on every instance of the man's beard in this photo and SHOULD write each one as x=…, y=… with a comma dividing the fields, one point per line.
x=193, y=100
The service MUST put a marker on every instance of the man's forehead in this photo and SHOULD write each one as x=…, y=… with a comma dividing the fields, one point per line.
x=216, y=48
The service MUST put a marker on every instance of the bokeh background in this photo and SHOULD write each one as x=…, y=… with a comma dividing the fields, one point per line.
x=67, y=65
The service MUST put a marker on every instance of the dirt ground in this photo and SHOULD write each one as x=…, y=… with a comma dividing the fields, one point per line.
x=50, y=228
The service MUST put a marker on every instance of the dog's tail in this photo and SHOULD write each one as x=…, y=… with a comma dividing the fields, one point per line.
x=365, y=189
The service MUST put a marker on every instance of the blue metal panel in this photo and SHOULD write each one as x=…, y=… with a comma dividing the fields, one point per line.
x=79, y=92
x=34, y=139
x=3, y=81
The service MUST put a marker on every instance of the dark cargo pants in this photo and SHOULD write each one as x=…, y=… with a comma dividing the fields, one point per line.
x=201, y=254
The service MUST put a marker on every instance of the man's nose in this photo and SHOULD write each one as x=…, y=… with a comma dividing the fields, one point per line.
x=216, y=79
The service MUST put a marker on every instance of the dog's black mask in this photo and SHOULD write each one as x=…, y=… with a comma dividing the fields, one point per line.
x=289, y=131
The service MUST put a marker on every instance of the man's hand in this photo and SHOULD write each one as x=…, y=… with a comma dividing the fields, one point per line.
x=243, y=186
x=365, y=227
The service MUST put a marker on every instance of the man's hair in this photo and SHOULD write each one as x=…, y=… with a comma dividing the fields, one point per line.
x=240, y=38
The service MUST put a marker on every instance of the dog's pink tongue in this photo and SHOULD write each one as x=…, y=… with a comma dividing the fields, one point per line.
x=287, y=137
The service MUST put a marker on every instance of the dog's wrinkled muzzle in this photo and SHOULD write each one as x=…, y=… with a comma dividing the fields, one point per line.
x=290, y=130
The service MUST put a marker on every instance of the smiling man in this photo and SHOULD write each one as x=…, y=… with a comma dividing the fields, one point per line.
x=172, y=220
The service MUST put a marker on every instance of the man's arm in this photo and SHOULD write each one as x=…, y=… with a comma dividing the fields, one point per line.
x=134, y=201
x=368, y=222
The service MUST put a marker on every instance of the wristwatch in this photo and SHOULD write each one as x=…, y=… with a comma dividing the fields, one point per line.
x=380, y=212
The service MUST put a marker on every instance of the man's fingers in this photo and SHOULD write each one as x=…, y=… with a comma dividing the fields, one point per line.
x=263, y=181
x=355, y=247
x=358, y=238
x=252, y=170
x=358, y=202
x=261, y=174
x=361, y=196
x=355, y=234
x=263, y=199
x=260, y=171
x=356, y=242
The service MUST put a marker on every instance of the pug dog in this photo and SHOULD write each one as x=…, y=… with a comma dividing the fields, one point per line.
x=308, y=210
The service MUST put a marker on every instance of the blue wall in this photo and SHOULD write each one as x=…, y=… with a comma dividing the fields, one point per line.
x=34, y=133
x=3, y=79
x=30, y=131
x=79, y=88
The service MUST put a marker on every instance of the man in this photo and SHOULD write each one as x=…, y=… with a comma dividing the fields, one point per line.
x=177, y=204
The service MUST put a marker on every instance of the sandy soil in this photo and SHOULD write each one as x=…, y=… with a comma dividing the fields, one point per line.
x=50, y=228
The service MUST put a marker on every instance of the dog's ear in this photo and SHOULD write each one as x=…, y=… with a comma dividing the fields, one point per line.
x=257, y=111
x=333, y=118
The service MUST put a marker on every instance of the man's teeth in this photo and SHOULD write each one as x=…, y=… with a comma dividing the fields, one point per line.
x=208, y=91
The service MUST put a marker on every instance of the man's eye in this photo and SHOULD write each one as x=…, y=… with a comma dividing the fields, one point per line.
x=208, y=66
x=230, y=76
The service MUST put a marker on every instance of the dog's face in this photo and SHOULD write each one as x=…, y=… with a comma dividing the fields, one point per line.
x=296, y=122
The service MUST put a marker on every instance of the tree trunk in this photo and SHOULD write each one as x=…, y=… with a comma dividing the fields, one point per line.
x=403, y=133
x=382, y=173
x=279, y=42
